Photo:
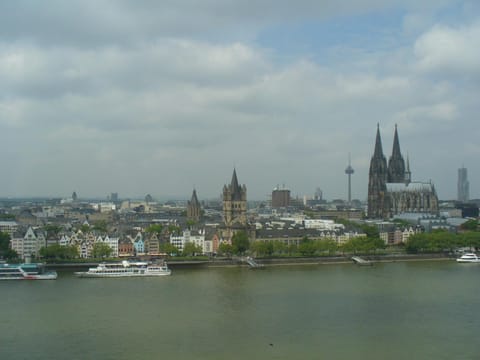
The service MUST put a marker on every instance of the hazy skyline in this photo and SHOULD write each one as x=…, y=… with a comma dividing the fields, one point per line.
x=161, y=96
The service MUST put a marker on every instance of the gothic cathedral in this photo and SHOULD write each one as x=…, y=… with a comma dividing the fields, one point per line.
x=390, y=189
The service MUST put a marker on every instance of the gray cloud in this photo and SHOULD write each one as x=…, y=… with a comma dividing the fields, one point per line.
x=133, y=102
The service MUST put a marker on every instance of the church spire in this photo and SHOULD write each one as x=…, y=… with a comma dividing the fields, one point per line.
x=408, y=173
x=377, y=181
x=396, y=164
x=194, y=199
x=378, y=152
x=396, y=144
x=235, y=188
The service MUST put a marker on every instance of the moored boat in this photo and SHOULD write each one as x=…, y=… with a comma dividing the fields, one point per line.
x=126, y=269
x=33, y=271
x=469, y=258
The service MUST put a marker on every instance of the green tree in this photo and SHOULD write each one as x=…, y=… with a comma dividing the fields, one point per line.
x=262, y=248
x=5, y=250
x=59, y=252
x=100, y=225
x=84, y=228
x=279, y=247
x=191, y=223
x=469, y=239
x=292, y=249
x=240, y=242
x=326, y=246
x=307, y=247
x=417, y=243
x=101, y=250
x=173, y=229
x=169, y=249
x=190, y=249
x=370, y=230
x=154, y=228
x=225, y=249
x=52, y=229
x=470, y=225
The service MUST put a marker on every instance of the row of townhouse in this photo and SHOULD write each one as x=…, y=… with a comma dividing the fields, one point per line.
x=398, y=235
x=295, y=236
x=85, y=242
x=140, y=244
x=196, y=237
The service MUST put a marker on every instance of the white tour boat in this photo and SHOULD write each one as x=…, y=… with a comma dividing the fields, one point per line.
x=469, y=258
x=33, y=271
x=126, y=269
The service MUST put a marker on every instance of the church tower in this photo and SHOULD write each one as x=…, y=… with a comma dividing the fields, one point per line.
x=408, y=173
x=396, y=164
x=193, y=207
x=235, y=203
x=377, y=180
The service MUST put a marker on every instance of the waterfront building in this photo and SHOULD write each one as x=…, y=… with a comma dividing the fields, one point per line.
x=30, y=244
x=112, y=242
x=152, y=245
x=196, y=237
x=125, y=247
x=193, y=207
x=390, y=189
x=463, y=186
x=139, y=244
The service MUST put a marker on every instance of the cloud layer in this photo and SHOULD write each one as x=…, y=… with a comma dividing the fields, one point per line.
x=151, y=98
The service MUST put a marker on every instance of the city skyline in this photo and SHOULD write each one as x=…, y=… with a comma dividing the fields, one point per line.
x=146, y=98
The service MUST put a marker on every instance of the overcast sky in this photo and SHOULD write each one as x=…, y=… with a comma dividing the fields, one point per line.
x=159, y=97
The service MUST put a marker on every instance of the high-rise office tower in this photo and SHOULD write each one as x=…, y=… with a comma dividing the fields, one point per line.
x=462, y=185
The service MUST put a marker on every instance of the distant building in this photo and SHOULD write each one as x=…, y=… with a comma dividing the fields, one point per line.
x=9, y=227
x=113, y=197
x=390, y=189
x=280, y=198
x=463, y=186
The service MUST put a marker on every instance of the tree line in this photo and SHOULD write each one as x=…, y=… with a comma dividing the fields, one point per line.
x=442, y=241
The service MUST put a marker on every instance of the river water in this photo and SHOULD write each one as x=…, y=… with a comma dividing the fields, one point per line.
x=416, y=310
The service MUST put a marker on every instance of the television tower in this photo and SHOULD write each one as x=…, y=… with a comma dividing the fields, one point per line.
x=349, y=171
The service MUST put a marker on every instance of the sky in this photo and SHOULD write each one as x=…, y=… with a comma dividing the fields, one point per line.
x=160, y=97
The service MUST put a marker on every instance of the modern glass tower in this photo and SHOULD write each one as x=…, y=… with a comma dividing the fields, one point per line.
x=463, y=186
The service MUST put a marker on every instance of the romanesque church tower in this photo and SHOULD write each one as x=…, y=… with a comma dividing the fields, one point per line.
x=377, y=181
x=235, y=203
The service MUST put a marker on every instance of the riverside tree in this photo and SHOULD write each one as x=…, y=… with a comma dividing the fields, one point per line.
x=101, y=250
x=5, y=250
x=240, y=242
x=59, y=252
x=190, y=249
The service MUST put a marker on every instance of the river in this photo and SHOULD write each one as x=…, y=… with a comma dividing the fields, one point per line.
x=416, y=310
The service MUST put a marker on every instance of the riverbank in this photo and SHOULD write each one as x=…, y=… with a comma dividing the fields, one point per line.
x=331, y=260
x=270, y=262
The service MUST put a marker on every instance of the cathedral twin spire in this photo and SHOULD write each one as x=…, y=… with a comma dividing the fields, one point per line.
x=380, y=174
x=395, y=172
x=396, y=164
